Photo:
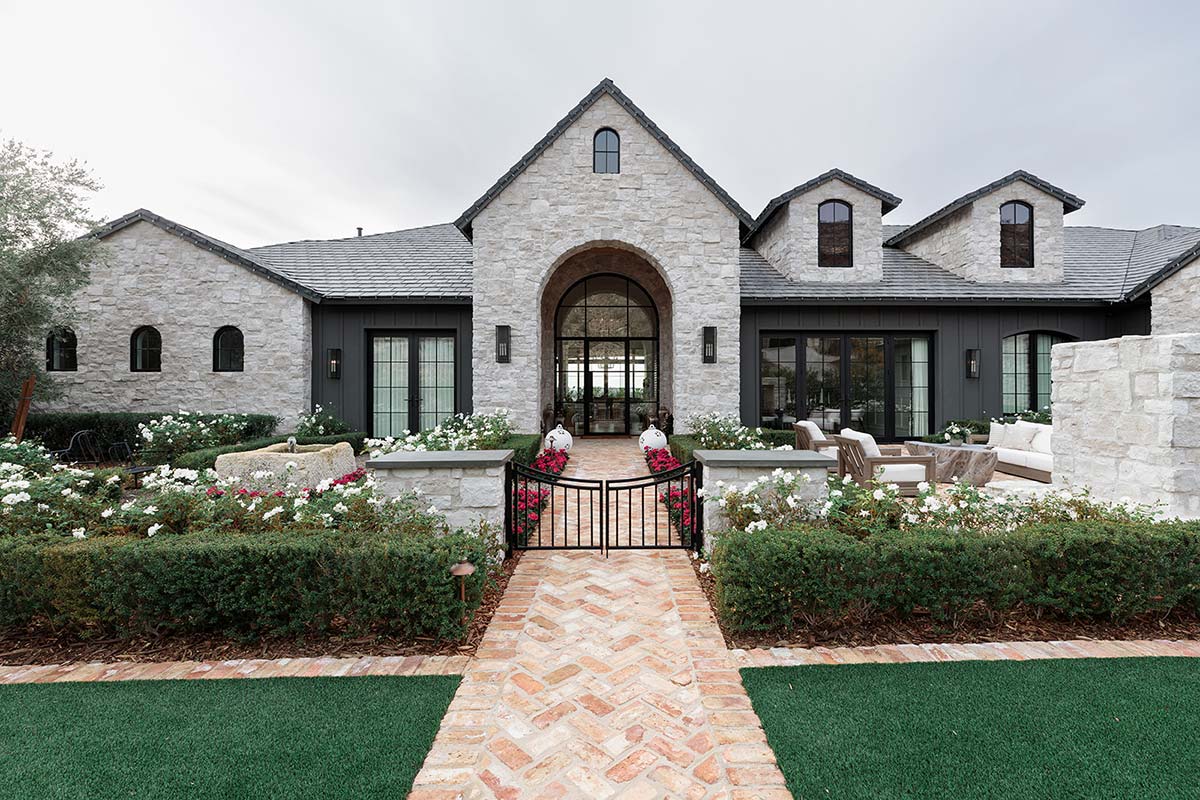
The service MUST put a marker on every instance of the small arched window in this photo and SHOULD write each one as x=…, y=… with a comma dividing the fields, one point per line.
x=606, y=151
x=835, y=235
x=228, y=349
x=60, y=351
x=1016, y=235
x=145, y=350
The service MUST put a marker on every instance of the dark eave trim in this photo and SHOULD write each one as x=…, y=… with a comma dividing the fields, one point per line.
x=1070, y=202
x=204, y=243
x=379, y=300
x=1172, y=266
x=888, y=200
x=932, y=300
x=606, y=86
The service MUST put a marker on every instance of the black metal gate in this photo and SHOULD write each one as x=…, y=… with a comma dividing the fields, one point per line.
x=552, y=512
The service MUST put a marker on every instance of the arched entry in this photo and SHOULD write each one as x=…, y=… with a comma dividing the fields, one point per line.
x=606, y=362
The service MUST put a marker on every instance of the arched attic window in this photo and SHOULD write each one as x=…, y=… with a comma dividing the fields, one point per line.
x=835, y=234
x=606, y=151
x=1016, y=235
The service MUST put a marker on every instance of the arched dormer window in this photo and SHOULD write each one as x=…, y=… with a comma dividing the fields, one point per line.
x=606, y=151
x=835, y=234
x=60, y=351
x=228, y=349
x=145, y=350
x=1016, y=235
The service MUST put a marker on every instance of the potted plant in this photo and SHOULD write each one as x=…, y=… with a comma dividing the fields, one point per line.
x=955, y=434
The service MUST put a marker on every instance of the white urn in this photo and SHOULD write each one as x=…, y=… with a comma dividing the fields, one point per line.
x=652, y=438
x=559, y=439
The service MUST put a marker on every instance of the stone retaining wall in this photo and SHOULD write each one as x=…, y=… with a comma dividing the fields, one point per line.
x=743, y=466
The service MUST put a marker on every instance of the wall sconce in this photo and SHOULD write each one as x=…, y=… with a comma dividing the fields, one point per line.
x=710, y=345
x=334, y=358
x=503, y=344
x=973, y=363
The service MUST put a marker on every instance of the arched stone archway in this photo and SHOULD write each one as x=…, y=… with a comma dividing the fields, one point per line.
x=598, y=260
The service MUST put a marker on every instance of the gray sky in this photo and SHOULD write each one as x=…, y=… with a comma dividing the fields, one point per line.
x=267, y=122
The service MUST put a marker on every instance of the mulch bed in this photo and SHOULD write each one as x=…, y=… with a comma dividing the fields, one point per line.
x=1013, y=626
x=42, y=646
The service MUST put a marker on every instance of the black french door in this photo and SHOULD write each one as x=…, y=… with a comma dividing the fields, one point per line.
x=411, y=381
x=877, y=383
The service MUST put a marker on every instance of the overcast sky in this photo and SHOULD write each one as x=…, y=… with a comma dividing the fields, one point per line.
x=267, y=122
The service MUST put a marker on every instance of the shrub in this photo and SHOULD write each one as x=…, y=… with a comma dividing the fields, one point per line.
x=682, y=447
x=525, y=446
x=55, y=429
x=460, y=432
x=171, y=435
x=715, y=432
x=1095, y=569
x=207, y=457
x=25, y=453
x=320, y=423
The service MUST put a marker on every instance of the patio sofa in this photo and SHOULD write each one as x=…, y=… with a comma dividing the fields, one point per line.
x=1023, y=449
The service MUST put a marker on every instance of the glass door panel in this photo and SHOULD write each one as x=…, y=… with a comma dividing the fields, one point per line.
x=389, y=404
x=572, y=367
x=823, y=381
x=911, y=370
x=606, y=390
x=867, y=399
x=435, y=361
x=643, y=382
x=778, y=397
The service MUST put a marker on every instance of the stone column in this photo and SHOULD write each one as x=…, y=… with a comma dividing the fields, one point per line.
x=743, y=466
x=465, y=486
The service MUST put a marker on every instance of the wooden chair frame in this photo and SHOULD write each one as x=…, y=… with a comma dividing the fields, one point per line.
x=854, y=461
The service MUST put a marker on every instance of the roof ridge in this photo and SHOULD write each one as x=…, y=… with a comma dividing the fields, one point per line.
x=354, y=238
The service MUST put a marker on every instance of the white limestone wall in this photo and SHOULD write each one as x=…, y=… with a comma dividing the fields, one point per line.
x=156, y=278
x=968, y=242
x=1175, y=303
x=789, y=242
x=557, y=207
x=1127, y=419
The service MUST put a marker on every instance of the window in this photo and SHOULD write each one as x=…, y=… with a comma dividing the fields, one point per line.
x=606, y=151
x=1016, y=235
x=835, y=238
x=1025, y=370
x=228, y=349
x=60, y=351
x=145, y=350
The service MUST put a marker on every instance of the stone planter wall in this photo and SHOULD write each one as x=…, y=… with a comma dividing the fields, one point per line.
x=1127, y=419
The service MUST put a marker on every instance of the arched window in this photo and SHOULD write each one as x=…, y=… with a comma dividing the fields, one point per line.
x=60, y=350
x=145, y=350
x=228, y=349
x=835, y=237
x=606, y=151
x=1016, y=235
x=1025, y=370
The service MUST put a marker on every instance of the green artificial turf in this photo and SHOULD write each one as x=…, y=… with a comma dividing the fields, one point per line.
x=1089, y=728
x=246, y=739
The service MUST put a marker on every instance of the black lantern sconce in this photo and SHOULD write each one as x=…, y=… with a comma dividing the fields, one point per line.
x=973, y=363
x=334, y=359
x=503, y=344
x=710, y=345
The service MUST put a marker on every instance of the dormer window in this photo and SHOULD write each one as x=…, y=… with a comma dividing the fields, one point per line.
x=606, y=151
x=835, y=237
x=1016, y=235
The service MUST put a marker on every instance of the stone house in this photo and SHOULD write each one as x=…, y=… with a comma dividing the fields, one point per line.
x=606, y=278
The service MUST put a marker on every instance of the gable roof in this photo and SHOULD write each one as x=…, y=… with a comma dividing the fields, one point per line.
x=1178, y=244
x=230, y=253
x=889, y=200
x=1070, y=202
x=606, y=86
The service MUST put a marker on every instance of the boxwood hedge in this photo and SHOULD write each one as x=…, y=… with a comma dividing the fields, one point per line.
x=54, y=429
x=1101, y=570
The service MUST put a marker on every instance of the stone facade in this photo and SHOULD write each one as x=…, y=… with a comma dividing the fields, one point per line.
x=1127, y=419
x=789, y=241
x=1175, y=303
x=156, y=278
x=968, y=241
x=558, y=207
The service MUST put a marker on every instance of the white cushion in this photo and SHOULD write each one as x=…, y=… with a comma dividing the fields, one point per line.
x=1021, y=435
x=900, y=473
x=1042, y=461
x=1041, y=440
x=828, y=450
x=1006, y=455
x=815, y=432
x=870, y=448
x=997, y=434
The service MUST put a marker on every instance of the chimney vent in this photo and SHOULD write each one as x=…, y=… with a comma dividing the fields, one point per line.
x=360, y=230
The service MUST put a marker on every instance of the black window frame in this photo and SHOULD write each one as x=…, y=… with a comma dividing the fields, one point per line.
x=611, y=156
x=61, y=351
x=826, y=256
x=1012, y=250
x=238, y=351
x=413, y=335
x=1029, y=368
x=156, y=365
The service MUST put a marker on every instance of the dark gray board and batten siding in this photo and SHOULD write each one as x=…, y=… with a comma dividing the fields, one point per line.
x=349, y=327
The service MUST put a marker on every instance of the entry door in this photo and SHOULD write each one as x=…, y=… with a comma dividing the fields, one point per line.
x=412, y=382
x=606, y=394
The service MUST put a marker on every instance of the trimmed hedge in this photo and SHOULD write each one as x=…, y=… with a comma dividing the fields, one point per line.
x=207, y=458
x=682, y=447
x=525, y=446
x=54, y=429
x=291, y=583
x=777, y=579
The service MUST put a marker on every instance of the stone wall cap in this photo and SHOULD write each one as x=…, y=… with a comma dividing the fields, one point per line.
x=786, y=459
x=424, y=459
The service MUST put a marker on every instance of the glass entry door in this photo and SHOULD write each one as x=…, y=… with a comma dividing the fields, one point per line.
x=412, y=382
x=606, y=398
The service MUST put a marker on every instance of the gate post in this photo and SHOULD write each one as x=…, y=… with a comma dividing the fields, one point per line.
x=697, y=507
